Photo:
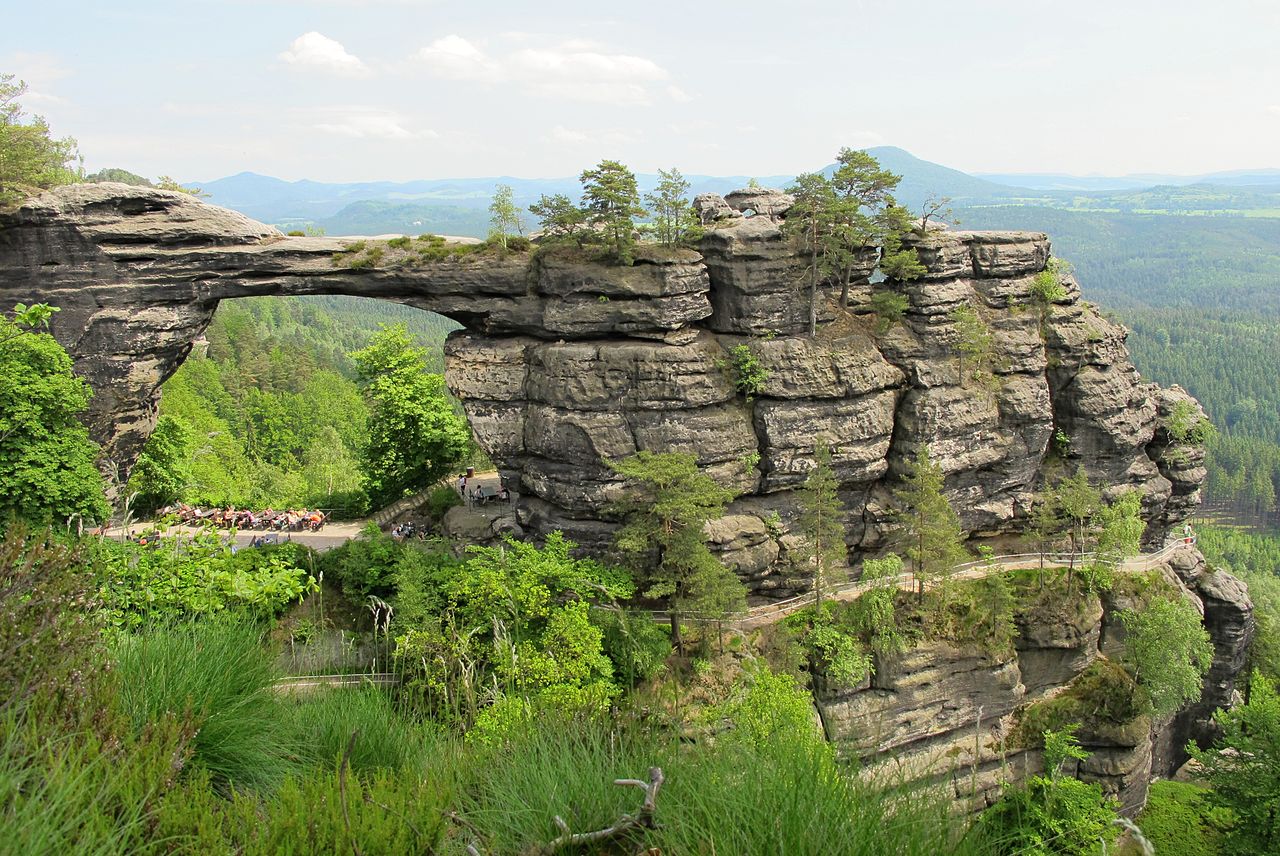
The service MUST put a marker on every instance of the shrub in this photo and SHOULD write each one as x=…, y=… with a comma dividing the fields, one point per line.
x=749, y=375
x=440, y=500
x=890, y=308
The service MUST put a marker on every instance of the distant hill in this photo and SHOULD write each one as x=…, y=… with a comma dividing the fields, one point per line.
x=922, y=179
x=1052, y=181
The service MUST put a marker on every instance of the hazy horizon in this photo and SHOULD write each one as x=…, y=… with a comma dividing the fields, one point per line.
x=396, y=90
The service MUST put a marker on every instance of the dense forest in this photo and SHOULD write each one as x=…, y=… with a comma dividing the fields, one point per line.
x=270, y=414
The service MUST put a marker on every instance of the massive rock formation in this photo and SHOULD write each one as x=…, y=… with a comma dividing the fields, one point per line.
x=961, y=714
x=565, y=363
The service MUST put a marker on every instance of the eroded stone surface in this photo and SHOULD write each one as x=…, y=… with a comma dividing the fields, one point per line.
x=566, y=363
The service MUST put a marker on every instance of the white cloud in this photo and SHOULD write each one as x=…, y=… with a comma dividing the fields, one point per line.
x=368, y=124
x=1274, y=109
x=560, y=135
x=455, y=58
x=573, y=70
x=317, y=50
x=40, y=71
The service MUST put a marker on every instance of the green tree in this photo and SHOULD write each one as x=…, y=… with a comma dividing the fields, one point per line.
x=809, y=226
x=31, y=159
x=163, y=469
x=47, y=461
x=171, y=184
x=929, y=530
x=1078, y=502
x=504, y=217
x=1051, y=814
x=1168, y=652
x=559, y=217
x=663, y=538
x=823, y=551
x=864, y=215
x=1119, y=535
x=329, y=466
x=974, y=340
x=1243, y=766
x=673, y=218
x=414, y=436
x=611, y=201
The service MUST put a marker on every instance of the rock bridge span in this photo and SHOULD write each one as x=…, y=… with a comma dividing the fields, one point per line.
x=564, y=363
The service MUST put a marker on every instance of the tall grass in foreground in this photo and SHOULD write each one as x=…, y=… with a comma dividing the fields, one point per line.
x=322, y=725
x=218, y=673
x=788, y=796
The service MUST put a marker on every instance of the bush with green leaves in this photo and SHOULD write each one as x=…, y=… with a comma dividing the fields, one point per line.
x=1243, y=769
x=1180, y=818
x=178, y=576
x=1049, y=814
x=511, y=622
x=1168, y=652
x=749, y=374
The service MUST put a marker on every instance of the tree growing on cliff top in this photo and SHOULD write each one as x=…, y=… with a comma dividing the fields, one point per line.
x=504, y=217
x=929, y=532
x=840, y=221
x=663, y=538
x=31, y=159
x=673, y=219
x=559, y=217
x=611, y=201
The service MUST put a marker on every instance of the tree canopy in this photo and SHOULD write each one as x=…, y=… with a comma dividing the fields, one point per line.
x=48, y=469
x=31, y=158
x=414, y=436
x=663, y=537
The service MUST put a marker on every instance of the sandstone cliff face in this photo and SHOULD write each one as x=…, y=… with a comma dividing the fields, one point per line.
x=951, y=713
x=564, y=363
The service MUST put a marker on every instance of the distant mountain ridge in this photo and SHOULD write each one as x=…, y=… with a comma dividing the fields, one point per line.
x=458, y=206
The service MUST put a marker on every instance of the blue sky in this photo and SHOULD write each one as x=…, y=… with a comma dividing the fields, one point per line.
x=344, y=90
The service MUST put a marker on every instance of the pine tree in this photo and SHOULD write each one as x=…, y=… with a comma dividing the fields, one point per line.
x=663, y=537
x=929, y=533
x=611, y=201
x=823, y=548
x=673, y=217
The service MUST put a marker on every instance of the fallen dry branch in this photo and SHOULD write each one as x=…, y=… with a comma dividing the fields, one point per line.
x=643, y=819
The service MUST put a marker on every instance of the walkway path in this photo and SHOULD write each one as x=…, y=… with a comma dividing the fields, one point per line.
x=768, y=613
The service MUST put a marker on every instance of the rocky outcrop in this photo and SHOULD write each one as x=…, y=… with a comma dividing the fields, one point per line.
x=566, y=363
x=952, y=713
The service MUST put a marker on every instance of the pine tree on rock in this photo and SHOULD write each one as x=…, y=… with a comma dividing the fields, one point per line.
x=611, y=201
x=663, y=538
x=929, y=529
x=823, y=551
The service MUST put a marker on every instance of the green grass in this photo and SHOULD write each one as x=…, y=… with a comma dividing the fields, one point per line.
x=1178, y=819
x=322, y=726
x=218, y=673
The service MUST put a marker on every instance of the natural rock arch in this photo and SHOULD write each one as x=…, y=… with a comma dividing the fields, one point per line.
x=564, y=363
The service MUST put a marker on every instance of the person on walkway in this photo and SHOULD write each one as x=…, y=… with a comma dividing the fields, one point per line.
x=1187, y=534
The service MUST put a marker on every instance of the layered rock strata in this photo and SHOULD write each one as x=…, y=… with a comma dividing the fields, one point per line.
x=566, y=363
x=952, y=713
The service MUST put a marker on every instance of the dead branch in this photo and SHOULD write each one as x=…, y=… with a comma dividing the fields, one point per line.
x=643, y=819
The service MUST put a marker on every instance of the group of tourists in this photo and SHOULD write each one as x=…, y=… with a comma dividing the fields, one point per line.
x=407, y=530
x=475, y=492
x=270, y=520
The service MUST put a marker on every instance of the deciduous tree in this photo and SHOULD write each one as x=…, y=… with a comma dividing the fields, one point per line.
x=48, y=471
x=673, y=218
x=504, y=217
x=1168, y=652
x=414, y=436
x=31, y=159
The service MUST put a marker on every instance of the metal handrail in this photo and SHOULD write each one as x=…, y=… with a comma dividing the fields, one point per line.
x=990, y=565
